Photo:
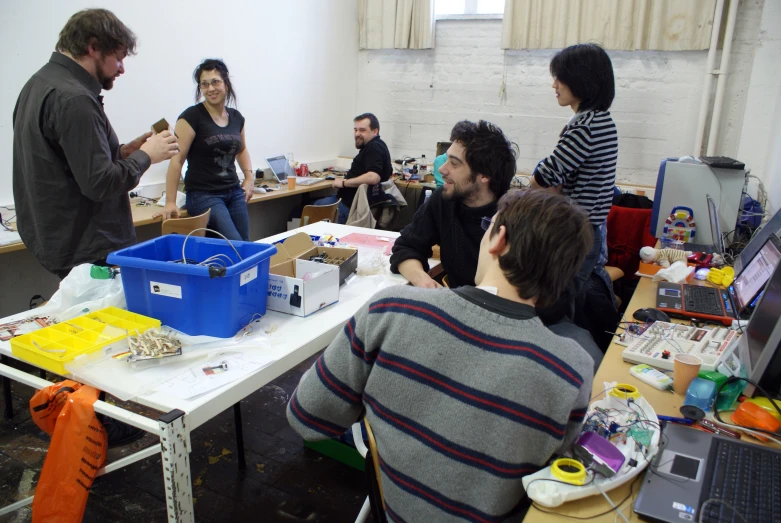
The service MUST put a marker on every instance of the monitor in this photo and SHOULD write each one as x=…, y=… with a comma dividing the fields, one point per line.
x=773, y=226
x=758, y=347
x=280, y=167
x=752, y=279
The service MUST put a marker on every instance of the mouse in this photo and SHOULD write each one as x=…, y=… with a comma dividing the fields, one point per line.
x=330, y=177
x=650, y=315
x=259, y=190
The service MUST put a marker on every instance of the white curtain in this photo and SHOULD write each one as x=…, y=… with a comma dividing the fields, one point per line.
x=396, y=24
x=665, y=25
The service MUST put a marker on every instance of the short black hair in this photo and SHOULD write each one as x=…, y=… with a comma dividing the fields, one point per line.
x=214, y=64
x=374, y=123
x=99, y=25
x=488, y=152
x=548, y=236
x=588, y=72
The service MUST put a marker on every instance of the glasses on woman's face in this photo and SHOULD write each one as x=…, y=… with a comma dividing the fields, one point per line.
x=215, y=82
x=485, y=223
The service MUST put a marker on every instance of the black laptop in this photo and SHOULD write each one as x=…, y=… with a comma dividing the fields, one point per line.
x=693, y=467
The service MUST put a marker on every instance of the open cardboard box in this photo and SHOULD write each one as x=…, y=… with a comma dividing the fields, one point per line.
x=301, y=287
x=300, y=246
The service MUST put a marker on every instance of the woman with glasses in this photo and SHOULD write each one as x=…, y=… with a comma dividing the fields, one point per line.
x=211, y=139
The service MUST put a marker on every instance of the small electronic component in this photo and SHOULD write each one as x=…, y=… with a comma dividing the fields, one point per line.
x=153, y=344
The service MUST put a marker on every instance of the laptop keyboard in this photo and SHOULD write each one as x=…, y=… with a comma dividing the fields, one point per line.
x=698, y=247
x=703, y=300
x=747, y=477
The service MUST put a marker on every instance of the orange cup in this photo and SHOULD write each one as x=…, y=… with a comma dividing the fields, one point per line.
x=291, y=183
x=685, y=369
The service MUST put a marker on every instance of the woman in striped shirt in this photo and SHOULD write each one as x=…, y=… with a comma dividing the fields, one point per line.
x=583, y=164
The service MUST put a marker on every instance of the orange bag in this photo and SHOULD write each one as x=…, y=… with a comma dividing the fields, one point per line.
x=76, y=452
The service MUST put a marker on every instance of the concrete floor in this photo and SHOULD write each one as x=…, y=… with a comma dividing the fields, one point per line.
x=283, y=481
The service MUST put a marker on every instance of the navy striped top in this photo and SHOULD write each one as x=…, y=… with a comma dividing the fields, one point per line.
x=584, y=163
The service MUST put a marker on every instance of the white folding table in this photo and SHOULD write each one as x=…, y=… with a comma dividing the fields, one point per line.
x=294, y=340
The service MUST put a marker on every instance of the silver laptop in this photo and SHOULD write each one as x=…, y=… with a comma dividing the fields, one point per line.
x=692, y=467
x=281, y=170
x=747, y=254
x=717, y=240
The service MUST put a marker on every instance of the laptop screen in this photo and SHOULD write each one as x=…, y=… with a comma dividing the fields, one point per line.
x=755, y=275
x=278, y=165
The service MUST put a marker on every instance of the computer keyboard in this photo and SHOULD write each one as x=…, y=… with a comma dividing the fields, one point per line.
x=748, y=477
x=703, y=300
x=722, y=162
x=698, y=247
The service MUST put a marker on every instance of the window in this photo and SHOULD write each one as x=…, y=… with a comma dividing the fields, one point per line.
x=449, y=8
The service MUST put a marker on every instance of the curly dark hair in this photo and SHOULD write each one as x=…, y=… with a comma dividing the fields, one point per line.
x=487, y=152
x=214, y=64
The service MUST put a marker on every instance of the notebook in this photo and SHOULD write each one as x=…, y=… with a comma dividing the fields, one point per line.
x=693, y=467
x=281, y=170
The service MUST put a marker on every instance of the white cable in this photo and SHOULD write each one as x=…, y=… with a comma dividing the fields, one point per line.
x=184, y=260
x=717, y=500
x=611, y=503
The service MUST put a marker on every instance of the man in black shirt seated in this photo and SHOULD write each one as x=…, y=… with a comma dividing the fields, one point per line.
x=371, y=166
x=479, y=168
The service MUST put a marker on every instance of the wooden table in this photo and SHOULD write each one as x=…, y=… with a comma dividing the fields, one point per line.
x=613, y=368
x=148, y=214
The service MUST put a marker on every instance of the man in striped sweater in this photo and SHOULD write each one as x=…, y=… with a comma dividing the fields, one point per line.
x=466, y=390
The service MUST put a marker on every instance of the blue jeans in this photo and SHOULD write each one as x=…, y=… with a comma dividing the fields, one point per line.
x=344, y=211
x=229, y=211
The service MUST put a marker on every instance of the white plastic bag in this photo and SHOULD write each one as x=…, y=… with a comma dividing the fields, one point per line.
x=79, y=294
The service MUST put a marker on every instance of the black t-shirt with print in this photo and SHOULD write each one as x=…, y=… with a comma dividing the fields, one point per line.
x=211, y=160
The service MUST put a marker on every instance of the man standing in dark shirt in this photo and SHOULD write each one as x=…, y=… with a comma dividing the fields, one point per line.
x=371, y=166
x=479, y=168
x=71, y=176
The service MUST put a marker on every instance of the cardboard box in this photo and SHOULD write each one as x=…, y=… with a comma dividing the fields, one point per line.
x=300, y=246
x=301, y=287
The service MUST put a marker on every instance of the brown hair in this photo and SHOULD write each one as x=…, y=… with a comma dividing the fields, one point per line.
x=100, y=25
x=548, y=237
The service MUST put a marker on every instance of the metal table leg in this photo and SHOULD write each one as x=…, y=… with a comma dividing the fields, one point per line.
x=239, y=435
x=6, y=383
x=176, y=467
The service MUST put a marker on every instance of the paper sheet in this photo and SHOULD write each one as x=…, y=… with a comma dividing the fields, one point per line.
x=195, y=381
x=8, y=237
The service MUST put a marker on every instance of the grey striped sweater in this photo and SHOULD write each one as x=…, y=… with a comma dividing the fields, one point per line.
x=466, y=392
x=584, y=163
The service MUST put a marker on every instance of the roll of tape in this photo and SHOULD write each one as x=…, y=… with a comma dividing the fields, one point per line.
x=569, y=470
x=624, y=391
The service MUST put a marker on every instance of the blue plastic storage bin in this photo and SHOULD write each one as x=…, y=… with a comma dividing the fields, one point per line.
x=194, y=299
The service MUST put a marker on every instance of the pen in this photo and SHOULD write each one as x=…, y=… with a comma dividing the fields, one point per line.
x=671, y=419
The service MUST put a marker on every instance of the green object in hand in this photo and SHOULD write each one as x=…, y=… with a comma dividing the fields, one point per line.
x=97, y=272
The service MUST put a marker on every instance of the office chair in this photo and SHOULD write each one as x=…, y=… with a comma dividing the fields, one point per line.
x=374, y=503
x=317, y=213
x=187, y=225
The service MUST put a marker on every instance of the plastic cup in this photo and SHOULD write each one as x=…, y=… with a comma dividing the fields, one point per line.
x=291, y=183
x=685, y=369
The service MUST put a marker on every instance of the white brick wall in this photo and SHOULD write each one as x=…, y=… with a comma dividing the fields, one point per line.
x=419, y=95
x=759, y=139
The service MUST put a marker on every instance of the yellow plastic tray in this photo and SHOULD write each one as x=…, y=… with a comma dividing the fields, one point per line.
x=52, y=347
